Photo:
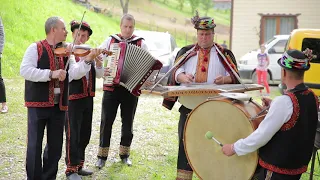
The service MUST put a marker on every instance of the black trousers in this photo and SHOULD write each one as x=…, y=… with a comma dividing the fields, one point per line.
x=38, y=119
x=78, y=132
x=110, y=103
x=264, y=174
x=2, y=88
x=182, y=163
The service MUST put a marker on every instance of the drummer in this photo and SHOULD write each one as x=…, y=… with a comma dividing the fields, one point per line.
x=285, y=138
x=202, y=64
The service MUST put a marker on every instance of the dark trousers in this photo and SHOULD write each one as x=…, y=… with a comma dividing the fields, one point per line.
x=78, y=132
x=264, y=174
x=2, y=88
x=182, y=163
x=110, y=102
x=38, y=119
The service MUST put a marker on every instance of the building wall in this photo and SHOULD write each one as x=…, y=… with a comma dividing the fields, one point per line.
x=246, y=19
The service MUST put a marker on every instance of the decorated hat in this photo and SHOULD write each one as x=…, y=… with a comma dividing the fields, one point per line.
x=203, y=23
x=85, y=26
x=296, y=60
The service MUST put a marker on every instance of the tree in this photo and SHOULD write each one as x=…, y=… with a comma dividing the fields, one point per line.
x=124, y=6
x=207, y=5
x=180, y=6
x=194, y=5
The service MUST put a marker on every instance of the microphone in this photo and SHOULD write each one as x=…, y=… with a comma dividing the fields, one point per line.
x=209, y=136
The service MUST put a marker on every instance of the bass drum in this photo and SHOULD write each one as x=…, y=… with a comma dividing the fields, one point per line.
x=228, y=120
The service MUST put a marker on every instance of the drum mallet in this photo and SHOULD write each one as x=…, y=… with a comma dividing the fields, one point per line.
x=209, y=135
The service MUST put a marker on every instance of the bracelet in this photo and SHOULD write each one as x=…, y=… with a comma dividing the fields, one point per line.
x=232, y=147
x=50, y=75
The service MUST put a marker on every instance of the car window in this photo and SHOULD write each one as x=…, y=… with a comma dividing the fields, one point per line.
x=314, y=45
x=278, y=48
x=271, y=39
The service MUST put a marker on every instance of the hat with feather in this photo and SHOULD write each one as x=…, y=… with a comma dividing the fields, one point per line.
x=203, y=23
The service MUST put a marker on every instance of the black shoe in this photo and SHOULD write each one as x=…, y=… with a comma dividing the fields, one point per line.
x=85, y=172
x=126, y=161
x=100, y=163
x=74, y=176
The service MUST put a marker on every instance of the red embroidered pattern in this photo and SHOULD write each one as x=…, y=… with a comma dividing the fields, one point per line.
x=295, y=114
x=40, y=50
x=85, y=90
x=50, y=101
x=282, y=170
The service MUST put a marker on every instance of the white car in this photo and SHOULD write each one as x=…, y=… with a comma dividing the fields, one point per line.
x=161, y=45
x=275, y=48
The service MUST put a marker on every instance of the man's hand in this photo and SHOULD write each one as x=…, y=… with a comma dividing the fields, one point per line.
x=93, y=54
x=266, y=101
x=228, y=150
x=185, y=78
x=59, y=74
x=98, y=60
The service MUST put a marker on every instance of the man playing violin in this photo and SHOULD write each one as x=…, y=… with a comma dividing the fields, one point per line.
x=46, y=97
x=115, y=96
x=285, y=138
x=81, y=93
x=201, y=63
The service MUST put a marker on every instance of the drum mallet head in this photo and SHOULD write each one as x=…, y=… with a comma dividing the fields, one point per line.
x=209, y=136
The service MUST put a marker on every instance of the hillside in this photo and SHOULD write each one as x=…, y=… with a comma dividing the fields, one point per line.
x=24, y=23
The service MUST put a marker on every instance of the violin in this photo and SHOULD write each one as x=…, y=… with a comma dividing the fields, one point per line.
x=79, y=51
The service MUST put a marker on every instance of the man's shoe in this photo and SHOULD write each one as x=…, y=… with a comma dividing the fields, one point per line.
x=100, y=163
x=85, y=172
x=74, y=176
x=4, y=109
x=126, y=161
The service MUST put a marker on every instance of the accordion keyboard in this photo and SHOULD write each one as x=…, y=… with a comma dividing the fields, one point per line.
x=112, y=63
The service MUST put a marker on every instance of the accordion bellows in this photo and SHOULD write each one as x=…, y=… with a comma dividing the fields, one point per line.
x=130, y=66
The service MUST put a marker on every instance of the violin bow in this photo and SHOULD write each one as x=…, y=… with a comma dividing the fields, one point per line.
x=74, y=40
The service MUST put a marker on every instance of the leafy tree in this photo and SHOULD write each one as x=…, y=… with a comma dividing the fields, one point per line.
x=194, y=5
x=207, y=5
x=180, y=6
x=124, y=6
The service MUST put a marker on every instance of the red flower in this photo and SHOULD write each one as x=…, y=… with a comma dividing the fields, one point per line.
x=205, y=59
x=203, y=69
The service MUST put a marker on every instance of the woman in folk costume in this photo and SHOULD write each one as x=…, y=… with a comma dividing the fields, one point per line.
x=201, y=63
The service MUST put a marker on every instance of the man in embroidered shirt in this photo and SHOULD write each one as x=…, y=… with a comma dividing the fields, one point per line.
x=201, y=64
x=79, y=121
x=46, y=97
x=115, y=96
x=285, y=138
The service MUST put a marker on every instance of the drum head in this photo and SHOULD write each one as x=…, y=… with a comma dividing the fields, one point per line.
x=228, y=124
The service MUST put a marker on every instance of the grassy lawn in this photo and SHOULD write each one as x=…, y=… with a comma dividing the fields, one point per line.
x=154, y=148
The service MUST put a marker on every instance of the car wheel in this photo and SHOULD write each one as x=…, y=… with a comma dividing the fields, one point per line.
x=254, y=78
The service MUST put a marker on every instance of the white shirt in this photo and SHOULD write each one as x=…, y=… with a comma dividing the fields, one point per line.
x=215, y=67
x=29, y=70
x=280, y=112
x=106, y=44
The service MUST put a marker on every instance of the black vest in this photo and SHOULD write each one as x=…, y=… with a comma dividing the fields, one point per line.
x=290, y=149
x=82, y=88
x=41, y=94
x=135, y=40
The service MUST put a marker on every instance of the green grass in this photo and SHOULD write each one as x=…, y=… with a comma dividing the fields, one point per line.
x=153, y=151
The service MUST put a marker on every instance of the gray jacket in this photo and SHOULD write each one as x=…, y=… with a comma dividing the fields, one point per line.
x=1, y=36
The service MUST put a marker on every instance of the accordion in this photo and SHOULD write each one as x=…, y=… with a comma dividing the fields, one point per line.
x=130, y=66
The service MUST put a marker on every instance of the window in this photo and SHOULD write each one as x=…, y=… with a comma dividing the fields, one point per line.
x=276, y=25
x=278, y=48
x=314, y=45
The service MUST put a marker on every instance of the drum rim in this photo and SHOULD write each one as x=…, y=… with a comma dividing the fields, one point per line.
x=188, y=118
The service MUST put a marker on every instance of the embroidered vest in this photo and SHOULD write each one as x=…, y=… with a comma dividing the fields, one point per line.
x=290, y=149
x=41, y=94
x=82, y=88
